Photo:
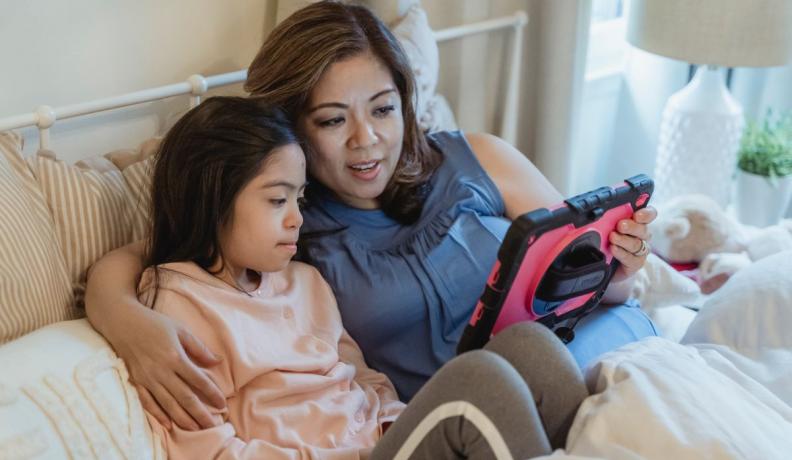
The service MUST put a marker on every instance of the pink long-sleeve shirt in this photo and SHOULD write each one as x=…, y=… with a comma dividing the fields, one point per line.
x=296, y=384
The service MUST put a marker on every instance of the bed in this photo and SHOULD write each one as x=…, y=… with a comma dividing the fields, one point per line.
x=717, y=385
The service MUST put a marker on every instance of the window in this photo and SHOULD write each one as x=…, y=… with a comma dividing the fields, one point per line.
x=607, y=45
x=606, y=10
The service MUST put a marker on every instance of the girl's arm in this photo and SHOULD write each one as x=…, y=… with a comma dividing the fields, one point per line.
x=390, y=405
x=158, y=352
x=524, y=189
x=349, y=352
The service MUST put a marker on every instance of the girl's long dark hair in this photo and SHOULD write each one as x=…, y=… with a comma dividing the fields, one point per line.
x=203, y=163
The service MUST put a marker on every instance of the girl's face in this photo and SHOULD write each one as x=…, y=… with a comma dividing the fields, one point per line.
x=355, y=126
x=262, y=233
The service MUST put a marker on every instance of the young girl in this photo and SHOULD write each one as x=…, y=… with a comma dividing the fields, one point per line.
x=226, y=190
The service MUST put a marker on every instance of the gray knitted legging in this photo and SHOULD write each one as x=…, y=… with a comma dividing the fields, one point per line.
x=513, y=400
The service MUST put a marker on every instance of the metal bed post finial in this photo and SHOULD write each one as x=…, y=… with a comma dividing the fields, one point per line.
x=45, y=117
x=198, y=87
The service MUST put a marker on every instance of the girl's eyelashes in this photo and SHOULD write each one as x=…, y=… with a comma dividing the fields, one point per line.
x=279, y=202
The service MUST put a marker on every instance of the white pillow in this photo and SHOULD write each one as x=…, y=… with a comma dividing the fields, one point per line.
x=64, y=394
x=416, y=37
x=438, y=115
x=752, y=311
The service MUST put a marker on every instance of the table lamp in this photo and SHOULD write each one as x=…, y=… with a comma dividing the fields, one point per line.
x=702, y=123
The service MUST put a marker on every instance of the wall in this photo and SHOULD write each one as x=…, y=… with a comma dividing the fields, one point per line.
x=62, y=52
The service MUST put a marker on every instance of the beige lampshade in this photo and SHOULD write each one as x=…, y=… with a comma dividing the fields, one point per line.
x=729, y=33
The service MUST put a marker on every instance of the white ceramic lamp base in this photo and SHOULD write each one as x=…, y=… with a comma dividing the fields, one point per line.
x=699, y=138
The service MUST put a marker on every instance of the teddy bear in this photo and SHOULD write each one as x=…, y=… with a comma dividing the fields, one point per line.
x=695, y=229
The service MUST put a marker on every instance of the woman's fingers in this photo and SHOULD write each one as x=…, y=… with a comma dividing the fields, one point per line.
x=197, y=351
x=150, y=405
x=197, y=384
x=632, y=228
x=157, y=353
x=637, y=226
x=194, y=376
x=184, y=394
x=173, y=396
x=172, y=407
x=628, y=240
x=645, y=215
x=629, y=262
x=630, y=244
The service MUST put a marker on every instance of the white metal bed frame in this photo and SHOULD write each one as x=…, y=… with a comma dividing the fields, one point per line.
x=197, y=85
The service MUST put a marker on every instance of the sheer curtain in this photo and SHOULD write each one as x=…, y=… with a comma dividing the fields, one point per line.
x=554, y=70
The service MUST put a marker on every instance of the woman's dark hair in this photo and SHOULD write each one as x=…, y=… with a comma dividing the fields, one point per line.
x=302, y=47
x=203, y=163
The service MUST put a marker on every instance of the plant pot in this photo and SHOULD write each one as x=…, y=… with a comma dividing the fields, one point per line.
x=761, y=202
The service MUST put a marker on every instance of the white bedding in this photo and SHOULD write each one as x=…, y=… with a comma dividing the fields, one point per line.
x=659, y=399
x=725, y=392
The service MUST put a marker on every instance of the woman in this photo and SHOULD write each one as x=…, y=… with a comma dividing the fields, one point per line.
x=405, y=227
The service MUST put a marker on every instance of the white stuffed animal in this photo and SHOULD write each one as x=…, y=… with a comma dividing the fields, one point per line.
x=716, y=268
x=693, y=228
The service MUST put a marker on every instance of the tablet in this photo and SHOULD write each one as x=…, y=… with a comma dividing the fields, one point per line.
x=554, y=264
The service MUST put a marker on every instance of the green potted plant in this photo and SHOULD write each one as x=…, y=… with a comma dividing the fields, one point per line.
x=764, y=170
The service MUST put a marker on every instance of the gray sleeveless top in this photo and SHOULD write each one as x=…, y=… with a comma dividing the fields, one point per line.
x=406, y=291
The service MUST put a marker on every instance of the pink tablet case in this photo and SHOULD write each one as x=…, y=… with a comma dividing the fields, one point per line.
x=555, y=264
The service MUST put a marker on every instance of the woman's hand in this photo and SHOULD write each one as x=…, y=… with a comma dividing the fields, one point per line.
x=629, y=243
x=161, y=355
x=163, y=360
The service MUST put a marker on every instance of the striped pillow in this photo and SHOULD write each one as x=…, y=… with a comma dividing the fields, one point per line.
x=34, y=282
x=96, y=207
x=138, y=178
x=137, y=167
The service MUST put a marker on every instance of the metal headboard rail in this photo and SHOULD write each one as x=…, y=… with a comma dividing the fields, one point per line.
x=197, y=85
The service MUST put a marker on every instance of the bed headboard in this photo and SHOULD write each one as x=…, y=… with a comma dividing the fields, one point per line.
x=131, y=115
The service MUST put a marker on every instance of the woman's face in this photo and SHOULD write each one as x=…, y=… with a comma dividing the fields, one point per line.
x=355, y=127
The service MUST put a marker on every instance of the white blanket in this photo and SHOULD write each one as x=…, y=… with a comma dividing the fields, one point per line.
x=659, y=399
x=725, y=393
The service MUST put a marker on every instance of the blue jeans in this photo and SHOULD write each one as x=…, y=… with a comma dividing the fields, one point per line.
x=607, y=328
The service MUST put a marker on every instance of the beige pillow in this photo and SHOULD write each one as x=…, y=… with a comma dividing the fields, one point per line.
x=34, y=282
x=96, y=206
